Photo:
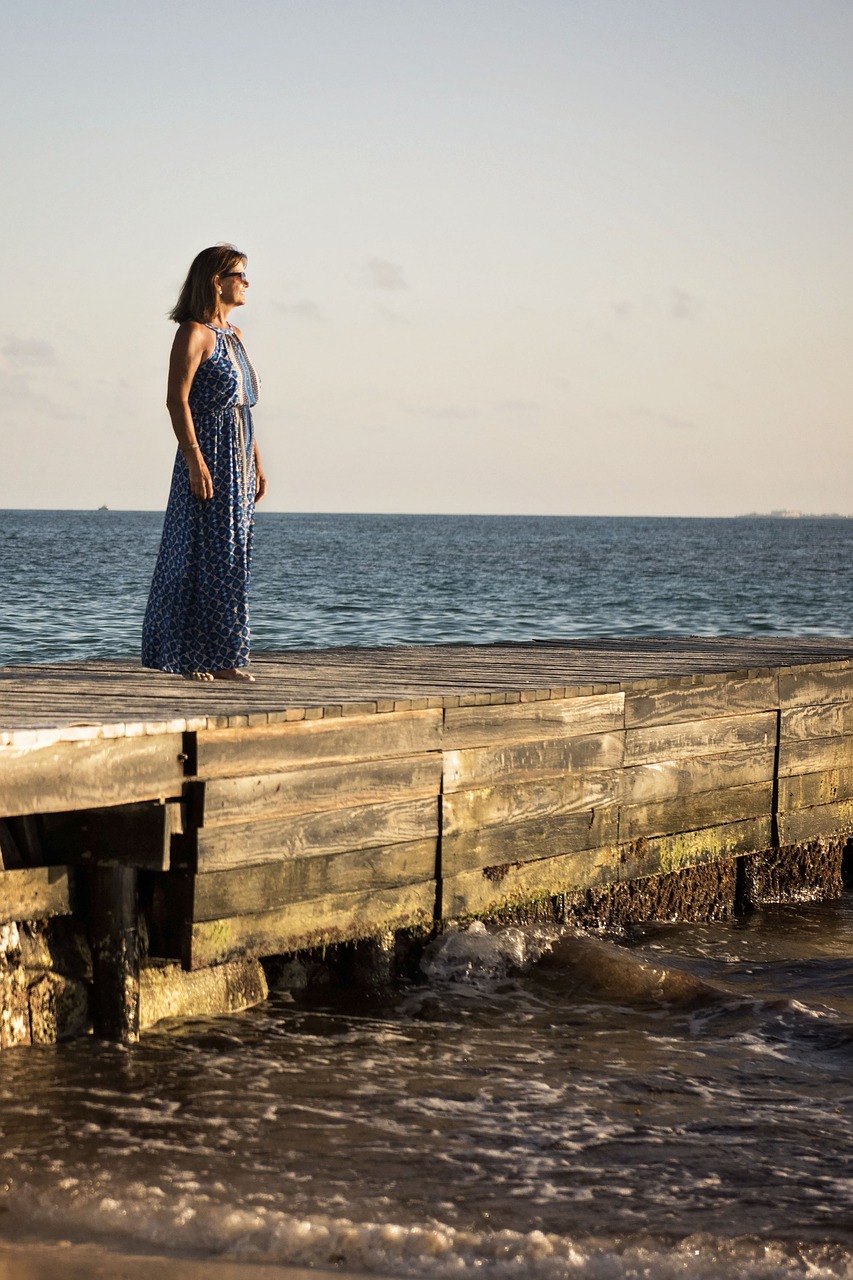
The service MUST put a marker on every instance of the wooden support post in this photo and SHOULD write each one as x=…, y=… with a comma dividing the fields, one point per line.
x=114, y=939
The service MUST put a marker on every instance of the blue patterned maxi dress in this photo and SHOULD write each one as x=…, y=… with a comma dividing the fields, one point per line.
x=198, y=611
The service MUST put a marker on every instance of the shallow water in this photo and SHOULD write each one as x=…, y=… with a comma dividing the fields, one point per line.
x=522, y=1109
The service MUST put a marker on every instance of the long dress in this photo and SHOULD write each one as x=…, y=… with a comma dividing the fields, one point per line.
x=197, y=619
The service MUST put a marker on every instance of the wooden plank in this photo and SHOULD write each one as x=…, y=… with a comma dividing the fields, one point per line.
x=321, y=922
x=815, y=755
x=810, y=685
x=801, y=825
x=280, y=747
x=526, y=761
x=693, y=812
x=89, y=774
x=532, y=721
x=828, y=720
x=699, y=737
x=291, y=683
x=220, y=894
x=662, y=854
x=35, y=894
x=128, y=835
x=473, y=893
x=647, y=783
x=719, y=695
x=306, y=835
x=312, y=788
x=544, y=837
x=804, y=790
x=513, y=802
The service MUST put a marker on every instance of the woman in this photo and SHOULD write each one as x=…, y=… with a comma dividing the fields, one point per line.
x=197, y=620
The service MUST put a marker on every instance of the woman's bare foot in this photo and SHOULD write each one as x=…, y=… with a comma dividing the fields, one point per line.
x=233, y=674
x=204, y=676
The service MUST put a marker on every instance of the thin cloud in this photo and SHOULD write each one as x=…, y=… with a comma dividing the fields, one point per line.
x=28, y=352
x=683, y=305
x=15, y=391
x=382, y=274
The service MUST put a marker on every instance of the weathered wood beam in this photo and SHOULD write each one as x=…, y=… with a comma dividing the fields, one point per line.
x=333, y=918
x=243, y=890
x=815, y=684
x=89, y=773
x=113, y=917
x=704, y=737
x=544, y=837
x=314, y=788
x=717, y=695
x=127, y=835
x=330, y=831
x=532, y=721
x=278, y=747
x=524, y=761
x=34, y=893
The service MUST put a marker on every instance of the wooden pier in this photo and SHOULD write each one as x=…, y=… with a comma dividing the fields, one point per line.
x=350, y=793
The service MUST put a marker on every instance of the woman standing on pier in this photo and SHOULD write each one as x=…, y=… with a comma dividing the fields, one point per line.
x=197, y=620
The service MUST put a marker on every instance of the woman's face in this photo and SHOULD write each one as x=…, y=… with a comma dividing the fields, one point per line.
x=233, y=285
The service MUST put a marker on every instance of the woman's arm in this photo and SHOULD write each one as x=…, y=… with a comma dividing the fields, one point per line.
x=193, y=342
x=260, y=477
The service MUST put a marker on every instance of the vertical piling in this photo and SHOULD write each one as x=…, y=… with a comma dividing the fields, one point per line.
x=114, y=940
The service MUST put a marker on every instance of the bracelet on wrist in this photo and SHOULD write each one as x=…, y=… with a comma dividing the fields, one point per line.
x=190, y=448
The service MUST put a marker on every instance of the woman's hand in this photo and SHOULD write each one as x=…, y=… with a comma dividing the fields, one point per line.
x=201, y=481
x=260, y=477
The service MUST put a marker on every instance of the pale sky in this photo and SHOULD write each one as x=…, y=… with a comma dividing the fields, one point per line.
x=512, y=256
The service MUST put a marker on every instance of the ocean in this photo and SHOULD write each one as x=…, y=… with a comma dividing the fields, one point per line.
x=526, y=1105
x=75, y=583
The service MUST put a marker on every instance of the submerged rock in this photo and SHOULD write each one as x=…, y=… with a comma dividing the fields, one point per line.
x=167, y=991
x=607, y=971
x=59, y=1008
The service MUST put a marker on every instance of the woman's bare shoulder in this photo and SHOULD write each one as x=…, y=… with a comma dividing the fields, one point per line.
x=189, y=329
x=192, y=335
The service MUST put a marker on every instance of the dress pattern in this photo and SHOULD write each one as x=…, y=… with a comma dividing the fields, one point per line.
x=197, y=617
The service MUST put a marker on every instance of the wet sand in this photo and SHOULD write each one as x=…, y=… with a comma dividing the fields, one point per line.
x=67, y=1261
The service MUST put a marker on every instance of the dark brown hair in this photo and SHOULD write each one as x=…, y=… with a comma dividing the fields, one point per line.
x=197, y=299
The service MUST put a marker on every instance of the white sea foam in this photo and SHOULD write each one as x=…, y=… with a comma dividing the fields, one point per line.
x=476, y=952
x=437, y=1251
x=430, y=1136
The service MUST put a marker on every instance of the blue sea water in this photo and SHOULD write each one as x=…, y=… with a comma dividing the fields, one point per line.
x=74, y=583
x=513, y=1111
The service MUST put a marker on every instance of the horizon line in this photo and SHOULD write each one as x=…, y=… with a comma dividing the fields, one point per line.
x=775, y=514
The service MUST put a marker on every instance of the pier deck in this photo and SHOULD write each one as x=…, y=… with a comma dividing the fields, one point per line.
x=112, y=692
x=353, y=792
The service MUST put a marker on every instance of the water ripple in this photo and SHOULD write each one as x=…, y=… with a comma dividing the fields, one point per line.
x=76, y=582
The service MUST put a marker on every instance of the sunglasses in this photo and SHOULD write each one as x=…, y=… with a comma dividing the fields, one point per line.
x=238, y=275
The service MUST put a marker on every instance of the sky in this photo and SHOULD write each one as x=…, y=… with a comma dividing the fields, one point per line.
x=569, y=257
